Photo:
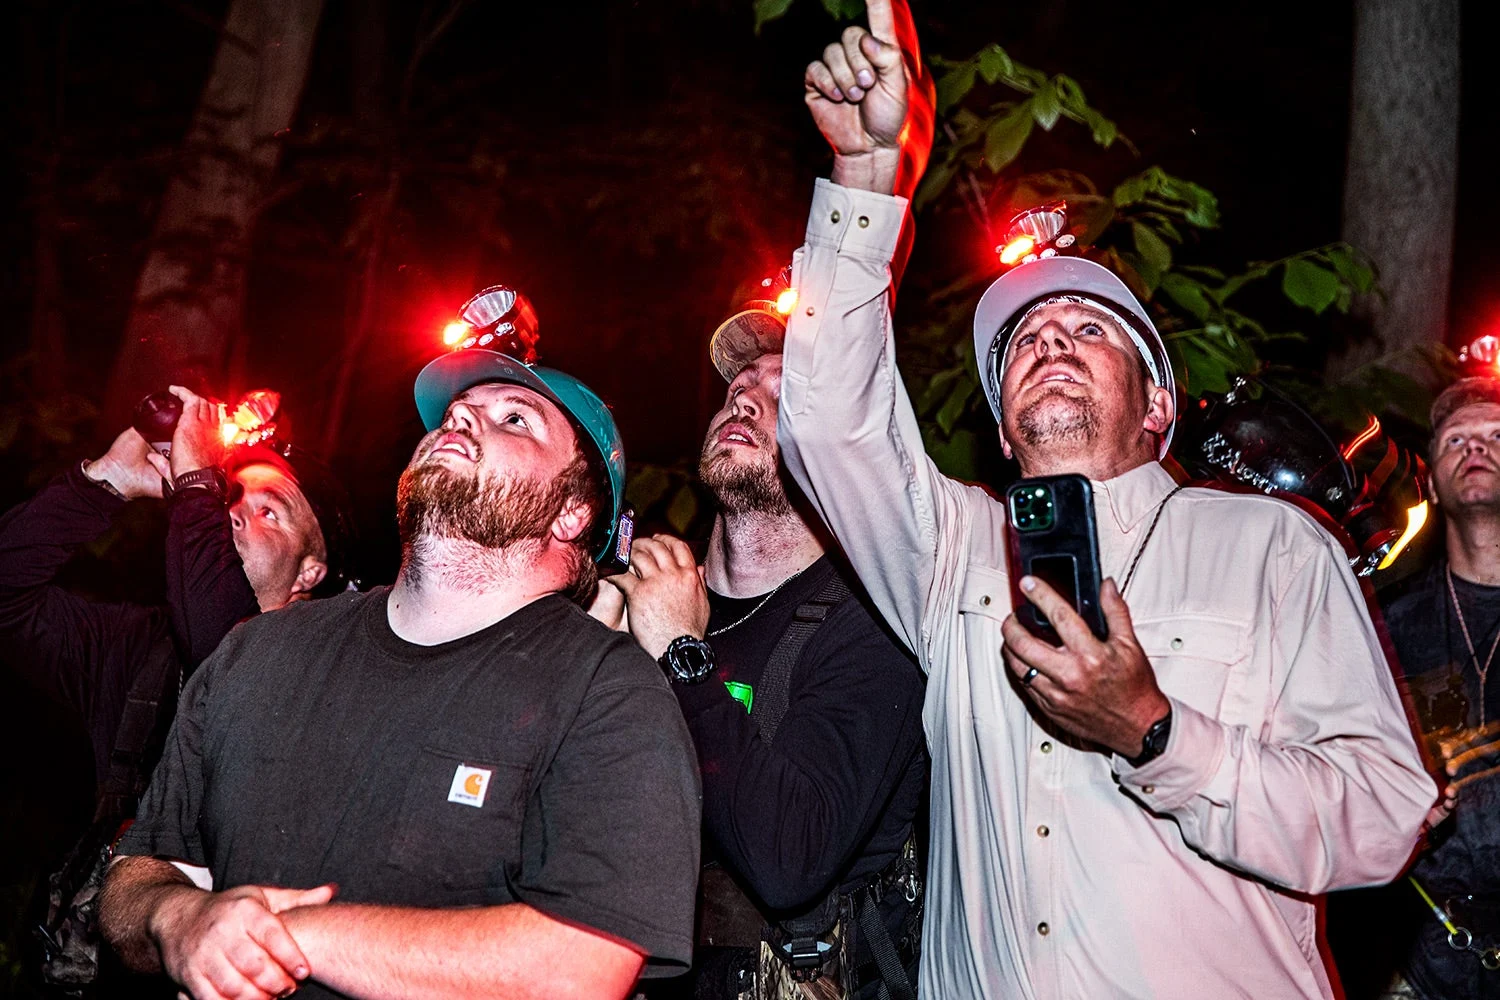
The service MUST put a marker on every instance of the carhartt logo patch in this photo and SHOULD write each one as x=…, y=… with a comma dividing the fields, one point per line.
x=469, y=785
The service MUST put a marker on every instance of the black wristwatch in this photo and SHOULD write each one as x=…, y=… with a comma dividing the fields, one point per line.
x=687, y=660
x=211, y=478
x=1155, y=742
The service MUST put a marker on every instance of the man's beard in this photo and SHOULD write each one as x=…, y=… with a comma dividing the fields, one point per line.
x=1045, y=421
x=433, y=501
x=754, y=488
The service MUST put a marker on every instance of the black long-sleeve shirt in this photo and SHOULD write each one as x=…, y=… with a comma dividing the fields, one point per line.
x=84, y=653
x=832, y=799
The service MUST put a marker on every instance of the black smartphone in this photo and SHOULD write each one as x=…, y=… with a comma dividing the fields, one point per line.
x=1050, y=535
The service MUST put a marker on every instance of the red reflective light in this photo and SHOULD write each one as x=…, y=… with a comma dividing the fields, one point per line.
x=1486, y=349
x=1017, y=248
x=1371, y=429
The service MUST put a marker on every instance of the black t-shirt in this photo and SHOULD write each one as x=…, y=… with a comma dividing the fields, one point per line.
x=833, y=799
x=540, y=760
x=1461, y=726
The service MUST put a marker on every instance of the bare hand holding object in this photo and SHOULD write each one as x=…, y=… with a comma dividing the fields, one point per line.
x=198, y=441
x=130, y=466
x=665, y=593
x=1105, y=692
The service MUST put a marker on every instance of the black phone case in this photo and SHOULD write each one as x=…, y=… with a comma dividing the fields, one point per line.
x=1072, y=536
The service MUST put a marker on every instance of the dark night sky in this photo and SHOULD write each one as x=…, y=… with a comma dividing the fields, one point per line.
x=650, y=159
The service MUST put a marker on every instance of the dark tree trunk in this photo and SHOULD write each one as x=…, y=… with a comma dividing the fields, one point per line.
x=1402, y=175
x=437, y=17
x=188, y=302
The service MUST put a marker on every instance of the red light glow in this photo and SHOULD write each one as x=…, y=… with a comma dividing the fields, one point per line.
x=1362, y=439
x=1486, y=349
x=786, y=301
x=1017, y=248
x=455, y=331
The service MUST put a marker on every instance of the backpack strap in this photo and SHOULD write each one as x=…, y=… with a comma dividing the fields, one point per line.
x=775, y=686
x=140, y=732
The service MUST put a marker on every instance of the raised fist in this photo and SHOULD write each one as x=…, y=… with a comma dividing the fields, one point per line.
x=873, y=100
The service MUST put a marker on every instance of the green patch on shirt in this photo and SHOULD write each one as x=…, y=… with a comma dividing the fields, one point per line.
x=742, y=693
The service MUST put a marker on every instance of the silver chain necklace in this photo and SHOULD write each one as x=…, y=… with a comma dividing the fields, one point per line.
x=763, y=600
x=1141, y=550
x=1483, y=668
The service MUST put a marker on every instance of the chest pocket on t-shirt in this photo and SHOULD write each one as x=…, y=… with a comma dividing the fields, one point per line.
x=460, y=819
x=1195, y=656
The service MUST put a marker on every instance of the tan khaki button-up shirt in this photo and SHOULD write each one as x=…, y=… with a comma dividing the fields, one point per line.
x=1057, y=870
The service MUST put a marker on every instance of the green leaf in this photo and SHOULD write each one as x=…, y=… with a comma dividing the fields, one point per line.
x=1205, y=366
x=1005, y=137
x=843, y=10
x=1203, y=207
x=954, y=85
x=1188, y=293
x=994, y=63
x=957, y=456
x=1351, y=267
x=1069, y=93
x=1045, y=106
x=1239, y=281
x=769, y=10
x=1308, y=285
x=936, y=387
x=1152, y=248
x=954, y=406
x=1105, y=131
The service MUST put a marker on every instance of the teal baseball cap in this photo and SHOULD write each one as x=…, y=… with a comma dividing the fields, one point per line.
x=451, y=374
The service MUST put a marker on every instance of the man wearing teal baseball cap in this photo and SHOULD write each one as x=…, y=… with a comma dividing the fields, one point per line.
x=501, y=788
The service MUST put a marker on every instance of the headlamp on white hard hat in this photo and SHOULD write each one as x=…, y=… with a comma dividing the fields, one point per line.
x=1039, y=245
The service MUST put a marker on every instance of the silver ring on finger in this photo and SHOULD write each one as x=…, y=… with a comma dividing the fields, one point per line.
x=1029, y=676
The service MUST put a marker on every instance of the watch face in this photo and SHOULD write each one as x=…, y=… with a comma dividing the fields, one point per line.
x=689, y=660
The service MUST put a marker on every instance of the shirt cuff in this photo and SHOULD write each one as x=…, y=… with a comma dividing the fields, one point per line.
x=858, y=223
x=1194, y=750
x=101, y=498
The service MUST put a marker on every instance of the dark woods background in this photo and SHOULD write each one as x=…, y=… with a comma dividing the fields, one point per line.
x=167, y=213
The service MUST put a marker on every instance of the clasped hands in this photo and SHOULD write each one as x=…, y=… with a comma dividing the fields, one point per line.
x=1104, y=692
x=233, y=945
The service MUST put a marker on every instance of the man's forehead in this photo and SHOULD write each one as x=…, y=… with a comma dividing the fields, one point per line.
x=264, y=476
x=489, y=393
x=767, y=366
x=1063, y=311
x=1473, y=416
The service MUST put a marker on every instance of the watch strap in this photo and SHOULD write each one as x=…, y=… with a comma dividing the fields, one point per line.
x=1154, y=744
x=209, y=478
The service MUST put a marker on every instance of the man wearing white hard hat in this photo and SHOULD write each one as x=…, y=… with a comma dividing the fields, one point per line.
x=1149, y=815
